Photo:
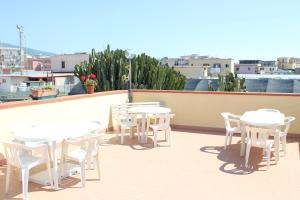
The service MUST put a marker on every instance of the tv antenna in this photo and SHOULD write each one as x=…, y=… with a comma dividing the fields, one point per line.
x=22, y=55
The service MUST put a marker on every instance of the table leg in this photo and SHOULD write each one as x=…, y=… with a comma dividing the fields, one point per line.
x=143, y=139
x=243, y=138
x=55, y=171
x=276, y=137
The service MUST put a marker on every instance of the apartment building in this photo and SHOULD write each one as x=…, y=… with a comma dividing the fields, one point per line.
x=38, y=64
x=195, y=66
x=9, y=56
x=255, y=67
x=288, y=62
x=67, y=62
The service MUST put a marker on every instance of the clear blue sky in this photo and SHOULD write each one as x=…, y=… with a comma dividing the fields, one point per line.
x=240, y=29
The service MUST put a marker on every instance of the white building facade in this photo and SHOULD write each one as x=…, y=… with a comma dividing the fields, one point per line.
x=255, y=67
x=67, y=62
x=9, y=56
x=288, y=62
x=195, y=66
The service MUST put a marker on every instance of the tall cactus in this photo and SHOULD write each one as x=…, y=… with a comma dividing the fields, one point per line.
x=111, y=70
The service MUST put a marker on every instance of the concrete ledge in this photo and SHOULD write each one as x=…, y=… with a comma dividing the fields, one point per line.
x=58, y=99
x=199, y=128
x=218, y=92
x=216, y=131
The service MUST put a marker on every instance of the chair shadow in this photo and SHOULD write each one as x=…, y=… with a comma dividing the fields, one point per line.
x=134, y=143
x=234, y=163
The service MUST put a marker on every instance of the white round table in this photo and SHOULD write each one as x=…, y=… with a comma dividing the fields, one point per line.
x=56, y=131
x=146, y=110
x=262, y=118
x=265, y=119
x=52, y=133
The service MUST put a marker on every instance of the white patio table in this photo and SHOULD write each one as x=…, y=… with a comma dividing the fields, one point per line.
x=266, y=119
x=52, y=133
x=146, y=110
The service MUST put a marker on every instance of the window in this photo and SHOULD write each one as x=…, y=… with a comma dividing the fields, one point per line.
x=217, y=65
x=226, y=65
x=63, y=64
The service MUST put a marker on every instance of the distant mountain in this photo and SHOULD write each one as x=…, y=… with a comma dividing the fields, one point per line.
x=33, y=52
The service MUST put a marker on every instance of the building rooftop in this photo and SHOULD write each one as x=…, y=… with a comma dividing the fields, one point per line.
x=35, y=74
x=195, y=167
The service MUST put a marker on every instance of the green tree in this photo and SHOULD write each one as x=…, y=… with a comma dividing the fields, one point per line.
x=230, y=83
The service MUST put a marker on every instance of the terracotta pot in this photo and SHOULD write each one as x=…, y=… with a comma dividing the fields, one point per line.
x=90, y=89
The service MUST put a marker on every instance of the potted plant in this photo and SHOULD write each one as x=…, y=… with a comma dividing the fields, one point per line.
x=90, y=82
x=45, y=92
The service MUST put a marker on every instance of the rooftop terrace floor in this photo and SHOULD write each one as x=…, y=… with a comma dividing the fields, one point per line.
x=195, y=167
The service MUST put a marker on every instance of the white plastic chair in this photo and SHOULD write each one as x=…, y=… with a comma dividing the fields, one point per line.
x=268, y=110
x=20, y=156
x=127, y=121
x=259, y=137
x=284, y=131
x=88, y=150
x=161, y=123
x=231, y=119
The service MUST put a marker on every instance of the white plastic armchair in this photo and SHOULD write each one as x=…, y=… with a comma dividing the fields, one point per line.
x=87, y=149
x=284, y=131
x=161, y=123
x=20, y=156
x=127, y=121
x=231, y=120
x=259, y=137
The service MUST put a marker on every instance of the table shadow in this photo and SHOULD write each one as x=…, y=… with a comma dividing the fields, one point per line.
x=233, y=163
x=134, y=143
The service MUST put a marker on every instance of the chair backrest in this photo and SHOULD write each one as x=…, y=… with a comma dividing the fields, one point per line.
x=14, y=151
x=162, y=120
x=229, y=119
x=123, y=108
x=127, y=118
x=258, y=136
x=287, y=123
x=90, y=143
x=268, y=110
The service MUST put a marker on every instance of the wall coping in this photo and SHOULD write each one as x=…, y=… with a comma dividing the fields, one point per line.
x=218, y=92
x=58, y=99
x=214, y=130
x=106, y=93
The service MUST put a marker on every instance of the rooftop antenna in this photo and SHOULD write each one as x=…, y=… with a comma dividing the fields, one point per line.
x=21, y=32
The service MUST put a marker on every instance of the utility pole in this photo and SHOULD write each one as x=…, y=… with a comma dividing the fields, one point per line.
x=21, y=32
x=129, y=57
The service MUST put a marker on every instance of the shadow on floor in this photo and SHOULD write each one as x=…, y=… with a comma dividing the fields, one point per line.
x=234, y=163
x=15, y=188
x=135, y=144
x=294, y=140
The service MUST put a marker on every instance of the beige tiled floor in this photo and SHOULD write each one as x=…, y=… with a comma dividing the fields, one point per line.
x=195, y=167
